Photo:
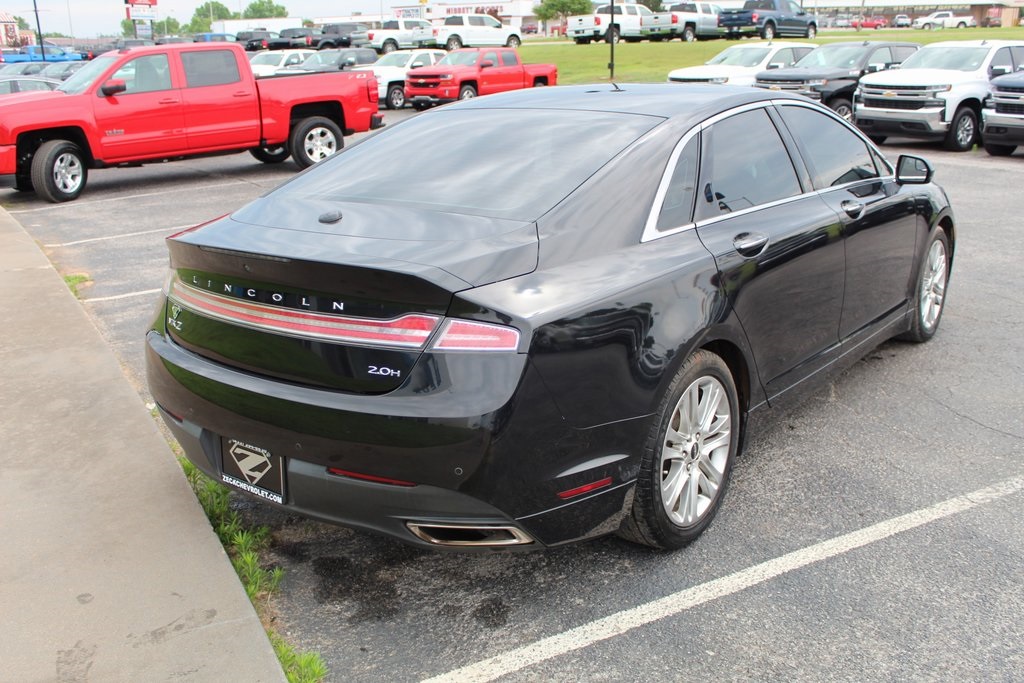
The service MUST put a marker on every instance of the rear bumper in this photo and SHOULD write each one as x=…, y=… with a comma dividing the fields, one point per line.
x=503, y=468
x=376, y=121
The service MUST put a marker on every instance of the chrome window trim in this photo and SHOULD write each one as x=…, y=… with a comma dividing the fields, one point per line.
x=651, y=231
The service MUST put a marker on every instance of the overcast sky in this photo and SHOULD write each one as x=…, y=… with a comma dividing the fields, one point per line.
x=91, y=18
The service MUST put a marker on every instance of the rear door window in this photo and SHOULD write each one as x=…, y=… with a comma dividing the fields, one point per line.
x=210, y=67
x=835, y=155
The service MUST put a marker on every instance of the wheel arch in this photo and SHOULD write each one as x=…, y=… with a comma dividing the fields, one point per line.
x=29, y=141
x=329, y=110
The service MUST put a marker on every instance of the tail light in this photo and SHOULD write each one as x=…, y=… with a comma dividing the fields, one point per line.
x=371, y=90
x=753, y=17
x=263, y=43
x=309, y=40
x=435, y=32
x=463, y=335
x=597, y=21
x=369, y=35
x=675, y=19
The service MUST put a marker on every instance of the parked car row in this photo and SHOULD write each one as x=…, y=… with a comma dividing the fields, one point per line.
x=959, y=92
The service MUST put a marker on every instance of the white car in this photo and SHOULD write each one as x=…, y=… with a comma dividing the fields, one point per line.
x=390, y=72
x=740, y=64
x=267, y=62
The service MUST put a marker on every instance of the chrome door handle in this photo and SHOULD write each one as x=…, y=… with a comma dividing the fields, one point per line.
x=750, y=243
x=852, y=209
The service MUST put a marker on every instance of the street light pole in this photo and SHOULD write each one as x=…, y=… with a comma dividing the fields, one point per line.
x=39, y=30
x=71, y=28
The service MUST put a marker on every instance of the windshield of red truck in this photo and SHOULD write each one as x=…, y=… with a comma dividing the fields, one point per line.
x=82, y=80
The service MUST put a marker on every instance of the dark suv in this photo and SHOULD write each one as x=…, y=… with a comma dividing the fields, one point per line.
x=830, y=73
x=257, y=39
x=295, y=37
x=344, y=35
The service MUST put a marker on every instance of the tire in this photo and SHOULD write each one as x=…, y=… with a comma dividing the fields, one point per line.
x=999, y=150
x=314, y=139
x=467, y=92
x=513, y=42
x=843, y=107
x=962, y=131
x=270, y=155
x=395, y=98
x=768, y=32
x=811, y=32
x=453, y=43
x=388, y=47
x=59, y=172
x=877, y=139
x=930, y=291
x=685, y=467
x=612, y=36
x=961, y=25
x=689, y=34
x=927, y=27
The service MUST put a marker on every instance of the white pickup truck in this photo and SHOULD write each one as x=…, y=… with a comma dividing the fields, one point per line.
x=474, y=30
x=600, y=25
x=399, y=34
x=943, y=19
x=686, y=20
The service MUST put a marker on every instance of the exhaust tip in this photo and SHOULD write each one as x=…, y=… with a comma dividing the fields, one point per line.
x=469, y=535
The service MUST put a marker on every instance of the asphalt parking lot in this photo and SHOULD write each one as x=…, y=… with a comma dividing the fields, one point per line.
x=872, y=533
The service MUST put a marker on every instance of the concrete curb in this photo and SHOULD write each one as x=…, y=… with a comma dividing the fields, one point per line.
x=110, y=570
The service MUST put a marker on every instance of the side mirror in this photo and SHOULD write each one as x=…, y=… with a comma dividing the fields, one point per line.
x=113, y=86
x=998, y=71
x=486, y=64
x=775, y=65
x=913, y=170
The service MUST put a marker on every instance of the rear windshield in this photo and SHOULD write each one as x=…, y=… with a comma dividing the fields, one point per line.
x=514, y=163
x=834, y=56
x=740, y=56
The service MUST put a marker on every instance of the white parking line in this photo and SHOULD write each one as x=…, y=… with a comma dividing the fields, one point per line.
x=621, y=622
x=118, y=237
x=115, y=297
x=80, y=204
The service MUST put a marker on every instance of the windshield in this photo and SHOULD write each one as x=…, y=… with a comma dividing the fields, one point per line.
x=740, y=56
x=270, y=58
x=322, y=58
x=421, y=162
x=393, y=59
x=834, y=56
x=947, y=57
x=82, y=80
x=459, y=58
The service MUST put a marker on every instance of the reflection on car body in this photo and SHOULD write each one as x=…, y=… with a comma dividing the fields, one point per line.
x=532, y=350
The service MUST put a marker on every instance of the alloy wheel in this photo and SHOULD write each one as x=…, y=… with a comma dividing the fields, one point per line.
x=933, y=286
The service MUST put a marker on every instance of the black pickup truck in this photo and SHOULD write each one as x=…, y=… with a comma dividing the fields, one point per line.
x=768, y=18
x=1003, y=115
x=830, y=73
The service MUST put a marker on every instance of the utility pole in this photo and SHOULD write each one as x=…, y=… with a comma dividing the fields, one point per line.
x=39, y=29
x=611, y=43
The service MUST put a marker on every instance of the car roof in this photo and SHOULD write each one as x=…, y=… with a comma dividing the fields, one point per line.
x=873, y=43
x=667, y=100
x=977, y=43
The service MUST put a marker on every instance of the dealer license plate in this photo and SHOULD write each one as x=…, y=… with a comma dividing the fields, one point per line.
x=252, y=469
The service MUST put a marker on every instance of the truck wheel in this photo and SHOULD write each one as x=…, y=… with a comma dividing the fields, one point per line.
x=811, y=31
x=58, y=171
x=843, y=108
x=513, y=42
x=454, y=43
x=270, y=155
x=396, y=96
x=612, y=36
x=689, y=35
x=962, y=130
x=961, y=25
x=927, y=27
x=389, y=46
x=999, y=150
x=467, y=92
x=314, y=139
x=768, y=32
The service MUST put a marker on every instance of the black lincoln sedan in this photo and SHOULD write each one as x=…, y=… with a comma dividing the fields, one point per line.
x=527, y=349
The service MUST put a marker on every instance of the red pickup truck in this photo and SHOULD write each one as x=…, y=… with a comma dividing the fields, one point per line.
x=163, y=102
x=470, y=72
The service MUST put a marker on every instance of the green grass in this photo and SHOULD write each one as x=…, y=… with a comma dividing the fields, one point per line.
x=244, y=546
x=646, y=62
x=75, y=281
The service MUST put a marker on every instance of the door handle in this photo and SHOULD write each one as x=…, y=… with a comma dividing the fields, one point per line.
x=750, y=243
x=852, y=209
x=241, y=94
x=168, y=100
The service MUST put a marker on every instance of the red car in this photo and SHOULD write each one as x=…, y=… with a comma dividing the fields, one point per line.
x=869, y=22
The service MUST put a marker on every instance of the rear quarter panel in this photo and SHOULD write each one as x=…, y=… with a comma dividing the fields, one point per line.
x=346, y=91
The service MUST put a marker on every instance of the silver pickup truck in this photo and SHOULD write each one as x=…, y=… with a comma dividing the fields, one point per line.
x=688, y=21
